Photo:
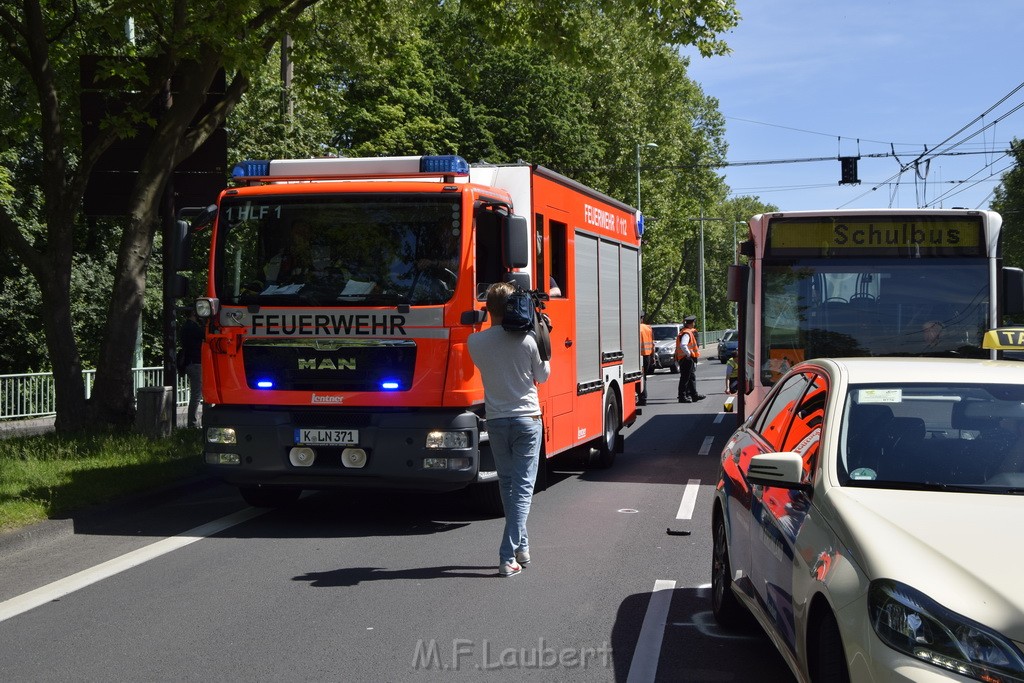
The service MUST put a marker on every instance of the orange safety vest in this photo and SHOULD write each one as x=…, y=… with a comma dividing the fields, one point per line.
x=694, y=348
x=646, y=339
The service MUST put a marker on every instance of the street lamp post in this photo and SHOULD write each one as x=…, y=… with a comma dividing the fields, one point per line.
x=638, y=147
x=703, y=300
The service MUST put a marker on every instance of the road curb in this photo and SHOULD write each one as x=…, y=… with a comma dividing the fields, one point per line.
x=51, y=530
x=35, y=535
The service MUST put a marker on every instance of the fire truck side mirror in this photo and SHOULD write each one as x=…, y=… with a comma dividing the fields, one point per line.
x=179, y=286
x=516, y=242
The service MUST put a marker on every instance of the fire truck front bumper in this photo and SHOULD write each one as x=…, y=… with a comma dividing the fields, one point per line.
x=429, y=449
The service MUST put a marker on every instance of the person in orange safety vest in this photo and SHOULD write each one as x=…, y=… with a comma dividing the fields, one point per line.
x=647, y=357
x=687, y=353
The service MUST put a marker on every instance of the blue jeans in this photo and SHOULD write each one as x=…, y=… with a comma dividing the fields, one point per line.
x=515, y=443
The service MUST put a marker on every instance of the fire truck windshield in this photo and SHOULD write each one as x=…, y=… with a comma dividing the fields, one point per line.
x=337, y=250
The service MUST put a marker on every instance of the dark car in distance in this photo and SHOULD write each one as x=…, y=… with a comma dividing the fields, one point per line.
x=727, y=345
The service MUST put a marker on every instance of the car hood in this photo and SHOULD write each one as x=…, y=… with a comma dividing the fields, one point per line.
x=961, y=549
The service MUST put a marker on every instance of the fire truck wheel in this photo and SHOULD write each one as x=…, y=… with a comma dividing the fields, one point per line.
x=603, y=456
x=262, y=497
x=487, y=498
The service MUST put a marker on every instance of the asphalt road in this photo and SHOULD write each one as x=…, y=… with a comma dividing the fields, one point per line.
x=376, y=586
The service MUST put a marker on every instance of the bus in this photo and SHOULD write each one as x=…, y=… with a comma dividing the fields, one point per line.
x=341, y=294
x=878, y=282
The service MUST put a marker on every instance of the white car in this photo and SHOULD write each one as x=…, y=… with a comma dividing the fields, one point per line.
x=870, y=515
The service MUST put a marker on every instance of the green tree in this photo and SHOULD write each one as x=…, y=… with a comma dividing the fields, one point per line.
x=45, y=166
x=1009, y=202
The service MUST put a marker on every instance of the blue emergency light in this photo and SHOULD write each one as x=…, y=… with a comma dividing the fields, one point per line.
x=251, y=168
x=448, y=164
x=389, y=385
x=265, y=384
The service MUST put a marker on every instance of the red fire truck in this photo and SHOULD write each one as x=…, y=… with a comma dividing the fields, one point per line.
x=341, y=293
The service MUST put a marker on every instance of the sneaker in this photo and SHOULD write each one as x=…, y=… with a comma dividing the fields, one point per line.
x=509, y=568
x=699, y=397
x=685, y=400
x=523, y=556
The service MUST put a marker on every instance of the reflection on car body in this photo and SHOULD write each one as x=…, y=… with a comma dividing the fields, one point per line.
x=856, y=515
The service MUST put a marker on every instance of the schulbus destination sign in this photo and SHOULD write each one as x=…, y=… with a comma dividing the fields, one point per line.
x=867, y=236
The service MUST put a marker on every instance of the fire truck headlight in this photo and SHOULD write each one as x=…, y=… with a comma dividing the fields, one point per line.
x=205, y=308
x=300, y=456
x=221, y=435
x=439, y=439
x=223, y=459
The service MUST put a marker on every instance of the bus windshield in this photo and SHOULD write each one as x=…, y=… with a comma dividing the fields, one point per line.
x=351, y=250
x=818, y=307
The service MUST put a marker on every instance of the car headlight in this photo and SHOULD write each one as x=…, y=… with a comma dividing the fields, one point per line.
x=909, y=621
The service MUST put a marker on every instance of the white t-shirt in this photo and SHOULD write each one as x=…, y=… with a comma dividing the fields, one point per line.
x=511, y=368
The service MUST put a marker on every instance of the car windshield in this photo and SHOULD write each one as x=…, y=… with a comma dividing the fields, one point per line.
x=729, y=336
x=354, y=250
x=662, y=332
x=934, y=436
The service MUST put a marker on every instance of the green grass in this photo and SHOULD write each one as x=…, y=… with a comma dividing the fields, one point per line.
x=48, y=475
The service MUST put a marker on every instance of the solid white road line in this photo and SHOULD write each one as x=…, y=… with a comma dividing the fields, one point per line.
x=86, y=577
x=689, y=500
x=648, y=645
x=705, y=447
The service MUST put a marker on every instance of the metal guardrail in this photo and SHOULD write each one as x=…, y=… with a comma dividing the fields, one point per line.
x=32, y=394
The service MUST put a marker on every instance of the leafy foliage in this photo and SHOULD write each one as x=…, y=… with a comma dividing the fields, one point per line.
x=1009, y=202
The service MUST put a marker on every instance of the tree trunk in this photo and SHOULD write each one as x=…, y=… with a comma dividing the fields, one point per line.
x=69, y=385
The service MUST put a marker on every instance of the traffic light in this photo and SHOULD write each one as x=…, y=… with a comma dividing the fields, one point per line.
x=848, y=171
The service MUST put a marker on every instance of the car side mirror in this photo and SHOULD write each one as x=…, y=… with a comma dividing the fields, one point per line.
x=783, y=470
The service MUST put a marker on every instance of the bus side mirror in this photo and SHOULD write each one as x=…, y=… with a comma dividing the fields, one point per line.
x=736, y=287
x=1012, y=301
x=516, y=242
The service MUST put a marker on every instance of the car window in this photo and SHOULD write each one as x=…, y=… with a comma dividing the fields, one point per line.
x=773, y=422
x=729, y=336
x=941, y=435
x=804, y=433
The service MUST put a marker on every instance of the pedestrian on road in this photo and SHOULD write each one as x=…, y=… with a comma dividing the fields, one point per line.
x=192, y=335
x=511, y=367
x=687, y=353
x=647, y=356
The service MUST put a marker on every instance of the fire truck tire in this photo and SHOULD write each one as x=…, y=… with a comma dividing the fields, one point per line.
x=487, y=498
x=603, y=456
x=262, y=497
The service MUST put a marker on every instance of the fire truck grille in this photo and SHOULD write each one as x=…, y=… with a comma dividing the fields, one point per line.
x=365, y=365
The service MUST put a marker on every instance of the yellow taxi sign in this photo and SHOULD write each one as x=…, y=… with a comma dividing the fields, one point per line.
x=1005, y=338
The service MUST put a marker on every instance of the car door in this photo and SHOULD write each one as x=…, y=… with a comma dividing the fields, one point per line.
x=782, y=512
x=743, y=499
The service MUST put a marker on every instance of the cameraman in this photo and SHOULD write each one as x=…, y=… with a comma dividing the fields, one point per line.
x=511, y=367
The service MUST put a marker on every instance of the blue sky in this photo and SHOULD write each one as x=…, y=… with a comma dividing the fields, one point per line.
x=811, y=79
